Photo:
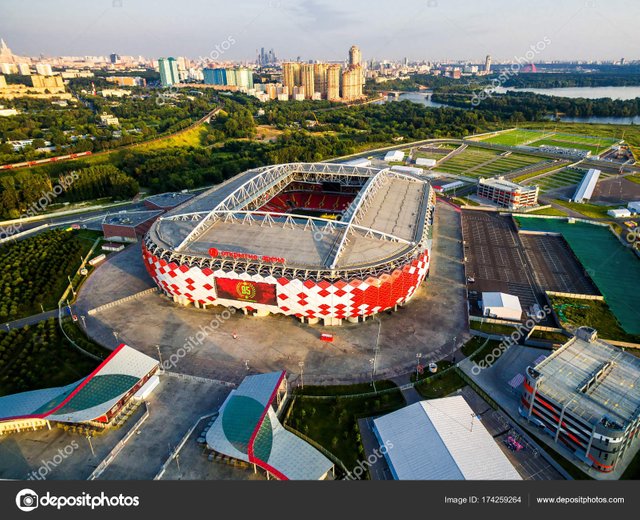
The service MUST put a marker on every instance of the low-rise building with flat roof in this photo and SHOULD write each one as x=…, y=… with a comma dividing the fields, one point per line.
x=506, y=193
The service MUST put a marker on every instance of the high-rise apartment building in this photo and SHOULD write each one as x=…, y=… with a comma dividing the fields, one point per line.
x=487, y=64
x=333, y=82
x=352, y=83
x=290, y=75
x=355, y=56
x=307, y=79
x=169, y=74
x=320, y=78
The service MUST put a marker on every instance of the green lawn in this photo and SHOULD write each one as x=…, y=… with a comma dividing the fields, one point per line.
x=634, y=178
x=332, y=422
x=536, y=173
x=591, y=313
x=587, y=209
x=514, y=137
x=479, y=162
x=553, y=212
x=492, y=328
x=439, y=385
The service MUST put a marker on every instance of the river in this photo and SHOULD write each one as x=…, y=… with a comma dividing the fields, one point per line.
x=580, y=92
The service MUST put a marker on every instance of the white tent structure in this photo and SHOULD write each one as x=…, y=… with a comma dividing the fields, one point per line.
x=441, y=439
x=501, y=306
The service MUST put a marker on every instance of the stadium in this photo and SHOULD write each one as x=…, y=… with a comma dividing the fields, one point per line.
x=318, y=241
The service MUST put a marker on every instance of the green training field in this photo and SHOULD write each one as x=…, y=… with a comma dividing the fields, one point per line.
x=478, y=162
x=519, y=137
x=516, y=137
x=562, y=179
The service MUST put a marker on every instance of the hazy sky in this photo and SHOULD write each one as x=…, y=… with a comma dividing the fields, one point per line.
x=324, y=29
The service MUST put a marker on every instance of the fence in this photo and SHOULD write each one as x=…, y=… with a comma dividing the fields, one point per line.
x=135, y=296
x=118, y=447
x=576, y=296
x=180, y=445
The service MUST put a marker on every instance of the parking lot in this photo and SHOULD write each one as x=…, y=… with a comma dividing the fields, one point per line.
x=496, y=260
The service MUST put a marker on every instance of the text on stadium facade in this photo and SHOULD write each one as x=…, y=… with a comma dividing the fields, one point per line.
x=214, y=252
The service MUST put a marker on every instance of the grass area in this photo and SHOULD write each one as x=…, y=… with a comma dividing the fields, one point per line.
x=560, y=179
x=440, y=384
x=472, y=345
x=587, y=209
x=480, y=355
x=536, y=173
x=630, y=133
x=189, y=138
x=634, y=178
x=544, y=335
x=464, y=201
x=333, y=422
x=553, y=212
x=530, y=137
x=491, y=328
x=592, y=313
x=479, y=162
x=358, y=388
x=514, y=137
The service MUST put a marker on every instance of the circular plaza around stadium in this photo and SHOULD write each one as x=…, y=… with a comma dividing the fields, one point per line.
x=318, y=241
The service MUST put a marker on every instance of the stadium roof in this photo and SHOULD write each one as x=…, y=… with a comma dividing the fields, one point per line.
x=593, y=379
x=87, y=399
x=248, y=429
x=387, y=220
x=441, y=439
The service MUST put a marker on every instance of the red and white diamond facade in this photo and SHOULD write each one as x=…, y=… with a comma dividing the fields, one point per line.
x=318, y=241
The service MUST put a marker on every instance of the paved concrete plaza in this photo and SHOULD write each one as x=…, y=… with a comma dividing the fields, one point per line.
x=174, y=407
x=427, y=324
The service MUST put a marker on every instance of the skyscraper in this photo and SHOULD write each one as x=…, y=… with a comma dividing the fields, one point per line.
x=333, y=82
x=307, y=79
x=352, y=83
x=169, y=74
x=487, y=64
x=355, y=56
x=320, y=78
x=290, y=76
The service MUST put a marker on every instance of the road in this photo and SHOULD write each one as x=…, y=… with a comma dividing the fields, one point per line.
x=30, y=320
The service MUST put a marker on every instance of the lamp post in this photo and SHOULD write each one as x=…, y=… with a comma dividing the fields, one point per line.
x=418, y=356
x=159, y=355
x=301, y=365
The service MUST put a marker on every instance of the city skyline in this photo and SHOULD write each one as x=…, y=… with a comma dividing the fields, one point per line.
x=320, y=30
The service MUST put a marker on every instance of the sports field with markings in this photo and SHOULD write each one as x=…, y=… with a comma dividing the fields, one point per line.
x=520, y=137
x=561, y=179
x=479, y=162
